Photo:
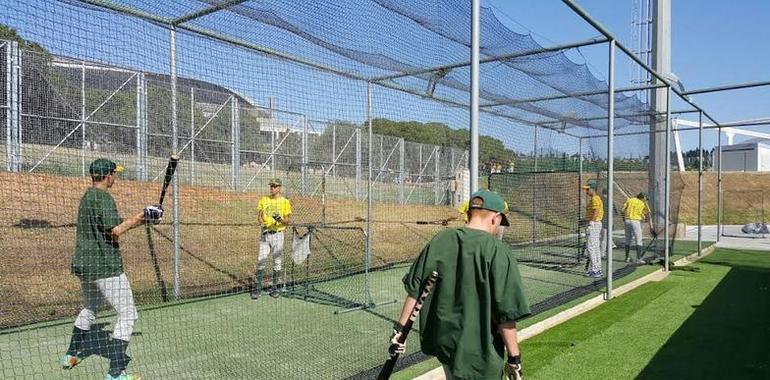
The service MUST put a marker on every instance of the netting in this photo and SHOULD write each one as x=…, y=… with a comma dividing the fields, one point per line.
x=360, y=108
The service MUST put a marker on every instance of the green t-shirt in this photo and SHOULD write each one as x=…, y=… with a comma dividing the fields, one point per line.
x=97, y=255
x=479, y=287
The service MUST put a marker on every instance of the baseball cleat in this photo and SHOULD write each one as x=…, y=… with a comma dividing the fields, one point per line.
x=123, y=376
x=275, y=294
x=70, y=361
x=255, y=295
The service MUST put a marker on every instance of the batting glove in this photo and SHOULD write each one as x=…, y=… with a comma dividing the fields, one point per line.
x=396, y=347
x=513, y=368
x=277, y=217
x=153, y=213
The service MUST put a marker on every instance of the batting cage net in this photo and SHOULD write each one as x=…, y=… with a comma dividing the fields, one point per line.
x=321, y=146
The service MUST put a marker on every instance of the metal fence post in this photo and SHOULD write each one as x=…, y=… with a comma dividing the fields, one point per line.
x=534, y=189
x=304, y=155
x=13, y=112
x=272, y=136
x=369, y=211
x=192, y=135
x=610, y=160
x=83, y=118
x=437, y=176
x=719, y=185
x=667, y=194
x=358, y=164
x=235, y=153
x=334, y=150
x=473, y=162
x=700, y=181
x=141, y=127
x=175, y=181
x=401, y=173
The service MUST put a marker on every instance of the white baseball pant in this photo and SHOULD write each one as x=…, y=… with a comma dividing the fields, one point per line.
x=117, y=292
x=271, y=243
x=594, y=246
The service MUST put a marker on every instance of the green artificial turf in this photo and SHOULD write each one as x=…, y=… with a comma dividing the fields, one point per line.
x=694, y=324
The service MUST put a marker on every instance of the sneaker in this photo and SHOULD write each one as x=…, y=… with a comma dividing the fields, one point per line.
x=275, y=294
x=70, y=361
x=641, y=261
x=255, y=294
x=593, y=274
x=628, y=259
x=123, y=376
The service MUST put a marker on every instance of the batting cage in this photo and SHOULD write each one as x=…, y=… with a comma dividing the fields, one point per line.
x=321, y=146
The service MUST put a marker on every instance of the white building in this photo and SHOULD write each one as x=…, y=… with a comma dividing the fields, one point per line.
x=748, y=156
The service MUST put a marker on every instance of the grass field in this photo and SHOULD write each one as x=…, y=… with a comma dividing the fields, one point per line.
x=708, y=321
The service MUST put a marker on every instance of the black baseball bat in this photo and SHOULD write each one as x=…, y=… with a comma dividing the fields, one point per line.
x=427, y=287
x=170, y=169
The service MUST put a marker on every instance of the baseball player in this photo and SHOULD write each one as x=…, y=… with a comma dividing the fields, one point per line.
x=634, y=211
x=593, y=219
x=273, y=215
x=99, y=265
x=463, y=210
x=469, y=320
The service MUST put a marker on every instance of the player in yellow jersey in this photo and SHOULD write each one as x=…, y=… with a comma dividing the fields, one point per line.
x=634, y=211
x=593, y=218
x=463, y=210
x=273, y=216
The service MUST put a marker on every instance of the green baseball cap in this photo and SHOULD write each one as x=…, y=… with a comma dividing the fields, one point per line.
x=103, y=167
x=275, y=182
x=491, y=201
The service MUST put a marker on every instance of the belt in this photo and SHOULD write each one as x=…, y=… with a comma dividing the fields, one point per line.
x=269, y=232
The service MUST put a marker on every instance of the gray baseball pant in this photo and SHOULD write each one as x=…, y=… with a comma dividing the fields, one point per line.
x=117, y=292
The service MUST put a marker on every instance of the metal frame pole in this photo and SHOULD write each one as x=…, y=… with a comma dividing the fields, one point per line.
x=13, y=113
x=369, y=213
x=192, y=135
x=358, y=164
x=141, y=128
x=667, y=196
x=437, y=175
x=334, y=150
x=700, y=182
x=83, y=118
x=534, y=189
x=719, y=185
x=401, y=176
x=304, y=154
x=473, y=165
x=610, y=160
x=175, y=181
x=235, y=154
x=272, y=136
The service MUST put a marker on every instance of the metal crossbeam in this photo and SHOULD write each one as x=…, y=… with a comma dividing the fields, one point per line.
x=205, y=11
x=727, y=87
x=577, y=95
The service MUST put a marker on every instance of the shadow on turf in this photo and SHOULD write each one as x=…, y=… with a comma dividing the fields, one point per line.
x=97, y=341
x=726, y=335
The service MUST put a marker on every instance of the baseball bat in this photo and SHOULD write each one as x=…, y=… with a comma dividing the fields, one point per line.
x=170, y=169
x=427, y=287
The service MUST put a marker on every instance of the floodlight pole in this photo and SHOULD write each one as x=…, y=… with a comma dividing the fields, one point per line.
x=473, y=162
x=174, y=148
x=610, y=160
x=667, y=190
x=700, y=182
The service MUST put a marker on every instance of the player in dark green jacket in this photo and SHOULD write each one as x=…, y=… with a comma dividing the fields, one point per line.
x=469, y=320
x=98, y=264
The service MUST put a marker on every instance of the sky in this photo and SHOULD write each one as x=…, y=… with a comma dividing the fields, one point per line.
x=713, y=43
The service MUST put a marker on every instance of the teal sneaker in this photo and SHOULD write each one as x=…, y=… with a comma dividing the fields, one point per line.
x=70, y=361
x=123, y=376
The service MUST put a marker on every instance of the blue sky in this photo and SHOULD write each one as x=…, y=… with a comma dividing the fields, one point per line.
x=714, y=42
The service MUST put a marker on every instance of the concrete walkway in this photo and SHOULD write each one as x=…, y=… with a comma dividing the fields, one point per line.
x=732, y=237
